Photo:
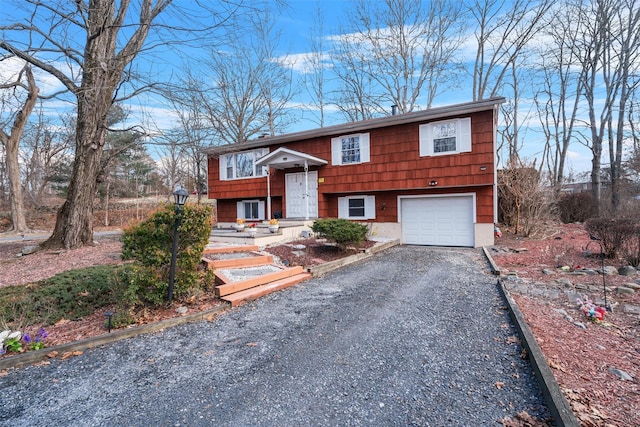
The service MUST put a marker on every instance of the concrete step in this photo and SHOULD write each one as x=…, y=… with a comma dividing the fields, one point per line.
x=227, y=249
x=238, y=298
x=228, y=287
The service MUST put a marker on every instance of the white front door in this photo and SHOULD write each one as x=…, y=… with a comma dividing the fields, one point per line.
x=298, y=192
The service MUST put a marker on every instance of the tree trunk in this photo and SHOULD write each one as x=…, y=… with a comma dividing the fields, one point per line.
x=15, y=189
x=12, y=143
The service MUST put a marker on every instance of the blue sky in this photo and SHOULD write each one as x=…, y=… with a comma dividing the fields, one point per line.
x=295, y=22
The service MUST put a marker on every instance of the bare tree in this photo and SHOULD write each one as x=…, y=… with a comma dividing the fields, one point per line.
x=251, y=86
x=11, y=142
x=404, y=50
x=607, y=51
x=560, y=90
x=89, y=46
x=502, y=32
x=44, y=147
x=315, y=74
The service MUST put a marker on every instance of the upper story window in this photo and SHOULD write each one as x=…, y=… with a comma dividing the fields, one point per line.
x=350, y=149
x=242, y=165
x=446, y=137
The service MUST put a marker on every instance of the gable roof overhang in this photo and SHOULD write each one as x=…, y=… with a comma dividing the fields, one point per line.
x=431, y=114
x=284, y=158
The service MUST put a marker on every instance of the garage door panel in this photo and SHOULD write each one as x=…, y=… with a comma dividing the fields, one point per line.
x=441, y=221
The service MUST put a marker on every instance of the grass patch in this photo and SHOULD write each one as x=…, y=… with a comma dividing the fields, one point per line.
x=68, y=295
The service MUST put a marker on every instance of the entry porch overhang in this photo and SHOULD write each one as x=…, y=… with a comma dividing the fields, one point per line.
x=285, y=158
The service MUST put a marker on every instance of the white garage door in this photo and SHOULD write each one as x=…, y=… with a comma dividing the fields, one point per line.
x=438, y=221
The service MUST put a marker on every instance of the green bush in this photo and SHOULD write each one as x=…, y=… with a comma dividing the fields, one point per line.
x=149, y=244
x=341, y=231
x=68, y=295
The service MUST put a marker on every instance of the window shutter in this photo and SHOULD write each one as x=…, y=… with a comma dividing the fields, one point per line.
x=364, y=148
x=239, y=210
x=426, y=140
x=464, y=133
x=336, y=151
x=223, y=167
x=261, y=210
x=370, y=207
x=343, y=207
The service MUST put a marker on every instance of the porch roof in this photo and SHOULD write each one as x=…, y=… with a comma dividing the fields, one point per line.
x=284, y=158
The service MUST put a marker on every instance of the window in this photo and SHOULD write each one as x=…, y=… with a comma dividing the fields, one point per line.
x=357, y=207
x=242, y=165
x=250, y=209
x=447, y=137
x=350, y=149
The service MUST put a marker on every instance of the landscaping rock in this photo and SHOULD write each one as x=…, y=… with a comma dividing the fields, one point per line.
x=633, y=286
x=548, y=271
x=564, y=281
x=631, y=309
x=621, y=374
x=580, y=325
x=589, y=271
x=28, y=250
x=610, y=271
x=627, y=270
x=623, y=290
x=182, y=310
x=565, y=268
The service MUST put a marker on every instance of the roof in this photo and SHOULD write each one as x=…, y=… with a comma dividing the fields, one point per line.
x=355, y=127
x=284, y=158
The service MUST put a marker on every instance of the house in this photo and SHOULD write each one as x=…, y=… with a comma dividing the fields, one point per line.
x=426, y=177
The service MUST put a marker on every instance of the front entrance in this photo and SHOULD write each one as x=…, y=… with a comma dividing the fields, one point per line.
x=296, y=199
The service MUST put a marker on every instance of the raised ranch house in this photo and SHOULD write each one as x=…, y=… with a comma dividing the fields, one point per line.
x=426, y=177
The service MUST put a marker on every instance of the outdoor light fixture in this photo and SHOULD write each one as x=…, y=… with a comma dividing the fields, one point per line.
x=109, y=315
x=483, y=168
x=180, y=196
x=433, y=183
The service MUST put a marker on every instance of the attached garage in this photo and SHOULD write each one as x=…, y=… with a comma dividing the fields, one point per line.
x=438, y=220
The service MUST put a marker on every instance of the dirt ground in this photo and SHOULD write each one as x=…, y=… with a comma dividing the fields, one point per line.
x=584, y=361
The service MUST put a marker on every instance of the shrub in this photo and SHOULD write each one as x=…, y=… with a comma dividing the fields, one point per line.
x=616, y=235
x=68, y=295
x=575, y=207
x=340, y=231
x=149, y=243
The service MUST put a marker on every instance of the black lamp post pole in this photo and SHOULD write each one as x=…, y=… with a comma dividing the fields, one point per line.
x=180, y=199
x=174, y=254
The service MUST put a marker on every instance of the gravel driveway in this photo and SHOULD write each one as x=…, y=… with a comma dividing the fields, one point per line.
x=412, y=336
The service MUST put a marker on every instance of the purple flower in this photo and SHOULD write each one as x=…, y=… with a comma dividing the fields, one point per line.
x=42, y=333
x=26, y=338
x=2, y=351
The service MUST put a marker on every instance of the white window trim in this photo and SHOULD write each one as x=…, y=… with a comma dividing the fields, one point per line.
x=336, y=149
x=369, y=207
x=463, y=137
x=240, y=209
x=258, y=153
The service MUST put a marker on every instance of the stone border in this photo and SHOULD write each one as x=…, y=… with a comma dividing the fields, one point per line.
x=322, y=269
x=556, y=402
x=30, y=357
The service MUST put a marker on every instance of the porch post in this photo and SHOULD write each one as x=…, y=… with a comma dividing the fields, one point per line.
x=268, y=192
x=306, y=189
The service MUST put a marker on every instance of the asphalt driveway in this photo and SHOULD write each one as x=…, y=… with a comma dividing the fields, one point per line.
x=412, y=336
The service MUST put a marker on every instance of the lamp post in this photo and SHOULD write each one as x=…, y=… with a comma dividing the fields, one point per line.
x=180, y=196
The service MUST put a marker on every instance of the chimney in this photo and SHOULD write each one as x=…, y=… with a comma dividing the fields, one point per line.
x=394, y=109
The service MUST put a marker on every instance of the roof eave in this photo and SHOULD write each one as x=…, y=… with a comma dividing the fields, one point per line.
x=354, y=127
